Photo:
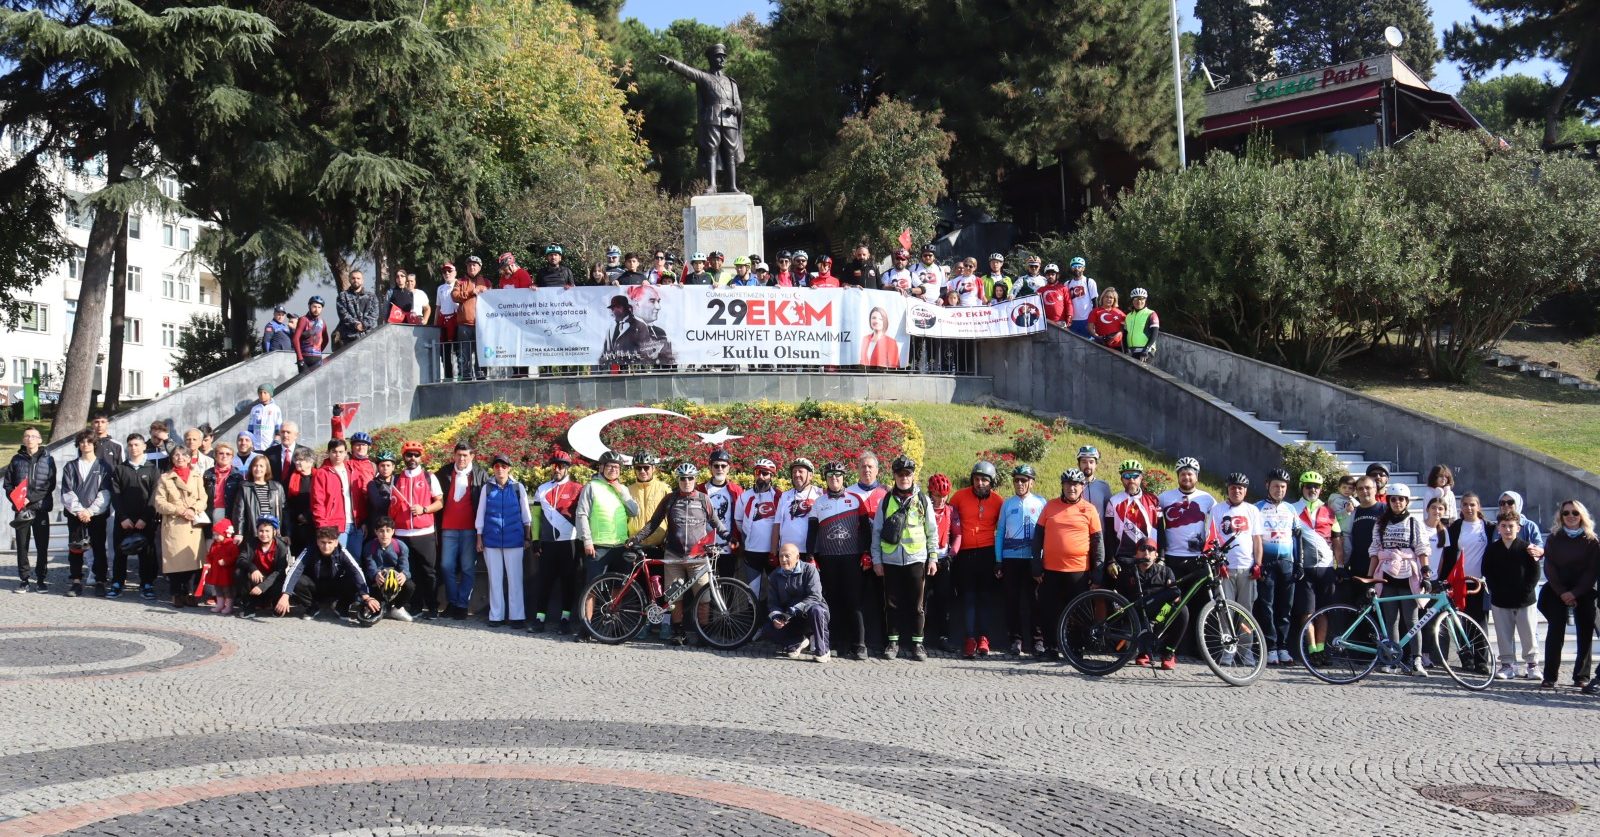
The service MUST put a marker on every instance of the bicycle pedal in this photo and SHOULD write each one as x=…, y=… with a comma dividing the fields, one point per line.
x=655, y=614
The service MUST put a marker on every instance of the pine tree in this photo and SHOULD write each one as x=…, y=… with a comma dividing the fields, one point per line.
x=1234, y=39
x=1308, y=34
x=1564, y=31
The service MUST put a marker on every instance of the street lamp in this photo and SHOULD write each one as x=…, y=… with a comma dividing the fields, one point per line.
x=1177, y=84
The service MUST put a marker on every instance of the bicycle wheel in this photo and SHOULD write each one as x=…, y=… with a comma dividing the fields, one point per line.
x=613, y=609
x=1346, y=656
x=725, y=613
x=1098, y=632
x=1231, y=643
x=1472, y=643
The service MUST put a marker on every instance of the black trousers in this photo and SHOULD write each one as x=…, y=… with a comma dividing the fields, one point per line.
x=1557, y=614
x=941, y=596
x=1055, y=591
x=903, y=612
x=96, y=527
x=559, y=569
x=149, y=563
x=1021, y=592
x=400, y=598
x=841, y=587
x=308, y=591
x=39, y=532
x=271, y=589
x=424, y=571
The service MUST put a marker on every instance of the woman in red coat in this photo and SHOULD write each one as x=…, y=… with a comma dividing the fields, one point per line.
x=879, y=349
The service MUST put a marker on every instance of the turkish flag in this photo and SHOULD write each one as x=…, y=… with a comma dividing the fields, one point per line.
x=19, y=495
x=905, y=238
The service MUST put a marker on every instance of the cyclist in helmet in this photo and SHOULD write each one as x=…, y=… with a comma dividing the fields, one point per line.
x=261, y=568
x=559, y=566
x=1238, y=519
x=1134, y=515
x=837, y=538
x=941, y=593
x=601, y=516
x=387, y=565
x=1013, y=555
x=974, y=519
x=1184, y=517
x=1097, y=492
x=724, y=496
x=1322, y=551
x=753, y=516
x=792, y=521
x=905, y=550
x=1281, y=566
x=691, y=526
x=1068, y=553
x=1140, y=327
x=648, y=492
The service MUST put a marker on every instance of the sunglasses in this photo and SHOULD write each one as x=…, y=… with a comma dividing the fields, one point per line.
x=1508, y=502
x=643, y=467
x=1570, y=513
x=762, y=472
x=719, y=464
x=1131, y=475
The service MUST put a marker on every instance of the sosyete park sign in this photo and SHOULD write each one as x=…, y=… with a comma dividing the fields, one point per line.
x=1331, y=77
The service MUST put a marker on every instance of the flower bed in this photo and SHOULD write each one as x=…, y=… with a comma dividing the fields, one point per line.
x=819, y=431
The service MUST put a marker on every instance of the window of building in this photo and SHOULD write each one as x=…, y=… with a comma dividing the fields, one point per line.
x=133, y=383
x=185, y=288
x=169, y=286
x=169, y=335
x=135, y=280
x=169, y=188
x=79, y=217
x=35, y=317
x=72, y=315
x=168, y=233
x=133, y=331
x=21, y=142
x=19, y=369
x=206, y=297
x=134, y=224
x=75, y=263
x=184, y=238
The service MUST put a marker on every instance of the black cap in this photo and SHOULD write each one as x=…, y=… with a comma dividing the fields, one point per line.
x=501, y=459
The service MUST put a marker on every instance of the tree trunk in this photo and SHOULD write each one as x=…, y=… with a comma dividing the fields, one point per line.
x=340, y=267
x=72, y=414
x=1558, y=100
x=119, y=319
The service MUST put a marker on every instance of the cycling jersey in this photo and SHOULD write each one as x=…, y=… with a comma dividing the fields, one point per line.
x=838, y=525
x=723, y=497
x=1142, y=325
x=556, y=519
x=1243, y=524
x=1098, y=493
x=973, y=520
x=1184, y=518
x=1014, y=531
x=1067, y=537
x=753, y=514
x=1054, y=300
x=1134, y=517
x=969, y=291
x=793, y=513
x=871, y=495
x=1318, y=520
x=692, y=525
x=1279, y=528
x=1083, y=292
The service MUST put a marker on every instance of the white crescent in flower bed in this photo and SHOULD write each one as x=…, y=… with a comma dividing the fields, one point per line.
x=584, y=435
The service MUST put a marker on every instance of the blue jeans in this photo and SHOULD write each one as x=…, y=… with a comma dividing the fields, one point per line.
x=354, y=540
x=1079, y=327
x=1275, y=602
x=458, y=563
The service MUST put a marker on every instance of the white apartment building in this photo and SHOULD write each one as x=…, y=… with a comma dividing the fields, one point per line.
x=165, y=287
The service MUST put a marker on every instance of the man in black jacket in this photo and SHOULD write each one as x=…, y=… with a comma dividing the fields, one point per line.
x=106, y=448
x=133, y=489
x=282, y=452
x=33, y=467
x=86, y=503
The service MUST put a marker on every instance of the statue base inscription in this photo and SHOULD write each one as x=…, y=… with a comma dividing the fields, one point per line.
x=730, y=223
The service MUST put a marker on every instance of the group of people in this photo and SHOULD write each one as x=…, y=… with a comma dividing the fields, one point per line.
x=1070, y=298
x=265, y=526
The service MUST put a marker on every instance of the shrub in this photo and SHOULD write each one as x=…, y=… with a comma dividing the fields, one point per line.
x=1301, y=457
x=1031, y=443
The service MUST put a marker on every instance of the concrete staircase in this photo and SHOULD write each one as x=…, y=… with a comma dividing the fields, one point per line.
x=1355, y=461
x=1540, y=370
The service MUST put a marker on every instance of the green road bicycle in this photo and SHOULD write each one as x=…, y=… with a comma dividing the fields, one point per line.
x=1100, y=630
x=1364, y=641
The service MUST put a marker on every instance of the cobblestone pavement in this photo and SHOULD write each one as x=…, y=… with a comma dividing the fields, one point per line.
x=126, y=718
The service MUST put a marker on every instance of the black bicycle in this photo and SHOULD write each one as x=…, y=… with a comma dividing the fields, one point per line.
x=1101, y=631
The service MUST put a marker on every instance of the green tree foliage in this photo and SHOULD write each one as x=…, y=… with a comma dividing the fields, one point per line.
x=202, y=348
x=667, y=103
x=1518, y=225
x=1504, y=102
x=1566, y=32
x=1447, y=238
x=31, y=243
x=1295, y=262
x=1307, y=34
x=884, y=175
x=1234, y=39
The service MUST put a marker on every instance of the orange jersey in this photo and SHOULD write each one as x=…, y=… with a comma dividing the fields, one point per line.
x=1067, y=528
x=978, y=518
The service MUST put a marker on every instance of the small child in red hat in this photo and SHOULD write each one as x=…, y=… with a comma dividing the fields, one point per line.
x=221, y=558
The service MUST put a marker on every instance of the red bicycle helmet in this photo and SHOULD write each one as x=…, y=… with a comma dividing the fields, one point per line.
x=939, y=485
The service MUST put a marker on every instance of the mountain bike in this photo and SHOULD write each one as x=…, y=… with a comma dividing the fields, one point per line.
x=616, y=607
x=1100, y=630
x=1354, y=652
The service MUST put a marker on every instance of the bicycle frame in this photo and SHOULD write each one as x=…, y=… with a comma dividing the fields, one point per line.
x=640, y=575
x=1438, y=603
x=1203, y=578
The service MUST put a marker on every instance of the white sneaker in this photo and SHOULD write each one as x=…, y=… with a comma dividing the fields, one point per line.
x=1417, y=669
x=794, y=653
x=823, y=657
x=399, y=614
x=1527, y=671
x=1283, y=657
x=1506, y=672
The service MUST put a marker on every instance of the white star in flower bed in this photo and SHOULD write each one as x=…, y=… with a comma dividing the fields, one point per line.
x=717, y=439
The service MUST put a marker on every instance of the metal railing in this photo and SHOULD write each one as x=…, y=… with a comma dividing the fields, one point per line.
x=927, y=356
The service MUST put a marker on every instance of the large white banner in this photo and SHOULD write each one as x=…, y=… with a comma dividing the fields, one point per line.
x=676, y=324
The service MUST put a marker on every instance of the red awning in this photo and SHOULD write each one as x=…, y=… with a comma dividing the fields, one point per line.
x=1323, y=104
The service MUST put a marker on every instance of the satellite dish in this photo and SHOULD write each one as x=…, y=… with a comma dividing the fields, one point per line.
x=1393, y=37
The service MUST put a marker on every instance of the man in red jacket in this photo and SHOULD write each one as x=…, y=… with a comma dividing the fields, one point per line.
x=331, y=491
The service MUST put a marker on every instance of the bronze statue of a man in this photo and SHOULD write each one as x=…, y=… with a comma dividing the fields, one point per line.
x=720, y=134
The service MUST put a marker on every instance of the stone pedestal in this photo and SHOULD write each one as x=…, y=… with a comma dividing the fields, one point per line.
x=730, y=223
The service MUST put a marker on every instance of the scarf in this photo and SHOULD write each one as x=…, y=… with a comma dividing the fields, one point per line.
x=183, y=473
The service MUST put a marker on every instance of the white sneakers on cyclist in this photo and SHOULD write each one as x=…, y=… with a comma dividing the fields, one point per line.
x=823, y=657
x=1528, y=673
x=1417, y=669
x=795, y=652
x=1279, y=657
x=399, y=614
x=1506, y=672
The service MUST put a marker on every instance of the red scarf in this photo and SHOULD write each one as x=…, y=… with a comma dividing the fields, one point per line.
x=220, y=498
x=183, y=473
x=266, y=554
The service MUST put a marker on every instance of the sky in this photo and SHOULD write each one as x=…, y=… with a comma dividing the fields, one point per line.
x=658, y=13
